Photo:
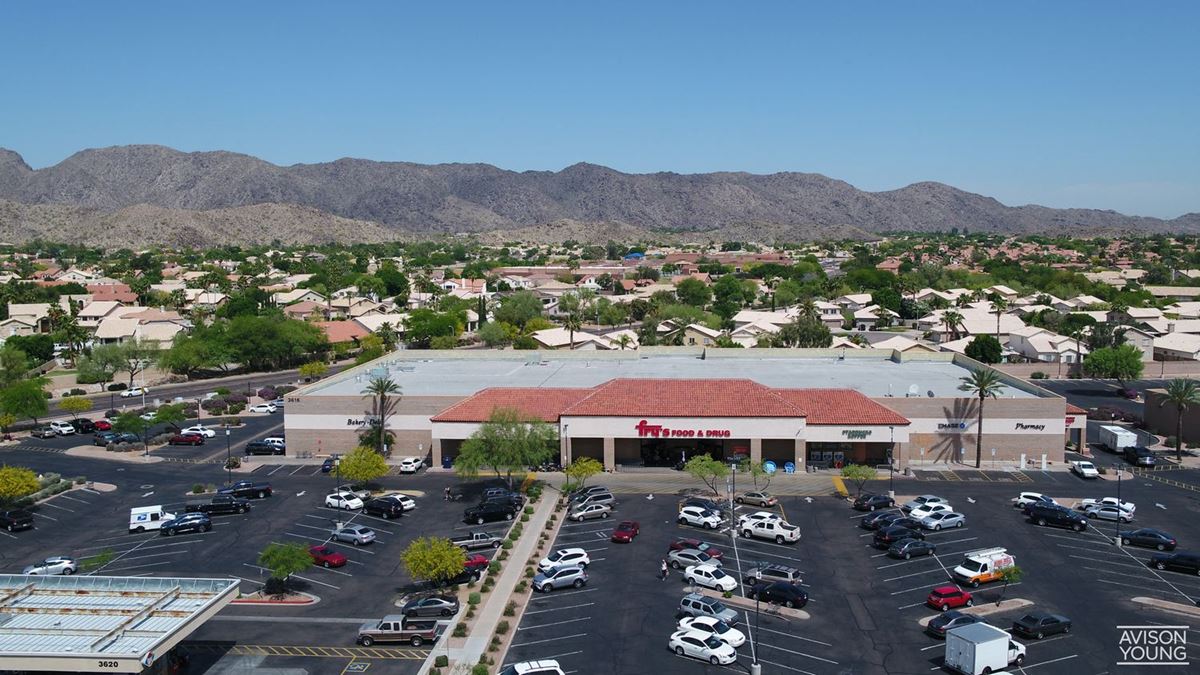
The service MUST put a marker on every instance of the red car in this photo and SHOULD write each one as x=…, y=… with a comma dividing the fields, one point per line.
x=476, y=561
x=326, y=557
x=947, y=597
x=103, y=425
x=684, y=544
x=626, y=531
x=186, y=439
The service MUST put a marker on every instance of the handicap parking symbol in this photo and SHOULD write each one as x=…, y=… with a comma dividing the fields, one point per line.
x=357, y=667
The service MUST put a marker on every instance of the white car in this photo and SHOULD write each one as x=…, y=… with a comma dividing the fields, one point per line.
x=263, y=408
x=943, y=519
x=707, y=624
x=62, y=428
x=756, y=517
x=922, y=501
x=199, y=430
x=1128, y=507
x=700, y=517
x=1026, y=498
x=406, y=503
x=411, y=464
x=1108, y=512
x=134, y=391
x=343, y=500
x=1085, y=469
x=703, y=646
x=276, y=441
x=928, y=510
x=709, y=576
x=57, y=564
x=565, y=556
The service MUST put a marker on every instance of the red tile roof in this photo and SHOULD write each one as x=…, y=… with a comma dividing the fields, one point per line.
x=1075, y=410
x=342, y=331
x=840, y=406
x=683, y=398
x=544, y=404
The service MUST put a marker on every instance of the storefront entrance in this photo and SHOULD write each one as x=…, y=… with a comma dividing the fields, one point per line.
x=835, y=455
x=674, y=452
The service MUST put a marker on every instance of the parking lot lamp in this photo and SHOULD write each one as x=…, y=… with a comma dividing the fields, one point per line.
x=228, y=461
x=1119, y=509
x=755, y=666
x=891, y=462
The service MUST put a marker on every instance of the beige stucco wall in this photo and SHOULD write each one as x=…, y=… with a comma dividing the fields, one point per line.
x=1163, y=419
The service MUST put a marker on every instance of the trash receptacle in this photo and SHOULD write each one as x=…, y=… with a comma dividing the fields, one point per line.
x=447, y=462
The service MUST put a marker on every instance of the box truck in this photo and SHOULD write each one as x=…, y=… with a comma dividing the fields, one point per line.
x=982, y=566
x=143, y=518
x=981, y=648
x=1116, y=439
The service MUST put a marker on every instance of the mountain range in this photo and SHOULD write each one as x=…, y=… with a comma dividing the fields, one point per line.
x=142, y=194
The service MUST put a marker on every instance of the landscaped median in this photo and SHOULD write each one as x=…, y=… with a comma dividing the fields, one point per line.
x=985, y=609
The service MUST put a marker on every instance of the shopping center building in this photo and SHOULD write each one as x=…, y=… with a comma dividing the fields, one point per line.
x=657, y=406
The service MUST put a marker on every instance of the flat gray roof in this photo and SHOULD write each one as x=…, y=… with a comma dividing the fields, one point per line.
x=463, y=373
x=116, y=619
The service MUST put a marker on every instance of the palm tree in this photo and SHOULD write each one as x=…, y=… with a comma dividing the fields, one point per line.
x=953, y=320
x=998, y=306
x=983, y=383
x=1181, y=393
x=809, y=311
x=381, y=391
x=623, y=341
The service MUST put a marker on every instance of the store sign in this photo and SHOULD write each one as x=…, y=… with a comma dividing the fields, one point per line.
x=1021, y=426
x=856, y=433
x=356, y=422
x=645, y=429
x=951, y=426
x=1070, y=421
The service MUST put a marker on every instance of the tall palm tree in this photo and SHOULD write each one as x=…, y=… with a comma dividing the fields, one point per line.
x=1181, y=393
x=809, y=311
x=983, y=383
x=953, y=320
x=623, y=341
x=999, y=305
x=385, y=396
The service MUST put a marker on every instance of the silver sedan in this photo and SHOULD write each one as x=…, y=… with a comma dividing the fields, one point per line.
x=355, y=534
x=943, y=519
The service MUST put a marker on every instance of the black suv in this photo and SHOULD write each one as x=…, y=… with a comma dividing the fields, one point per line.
x=1139, y=456
x=879, y=519
x=870, y=502
x=705, y=504
x=788, y=595
x=889, y=535
x=489, y=512
x=16, y=519
x=1180, y=562
x=385, y=508
x=261, y=448
x=512, y=499
x=1057, y=516
x=83, y=426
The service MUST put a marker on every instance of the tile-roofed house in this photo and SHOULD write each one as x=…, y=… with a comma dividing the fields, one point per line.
x=342, y=331
x=903, y=344
x=840, y=406
x=1039, y=344
x=1177, y=347
x=543, y=403
x=375, y=321
x=114, y=329
x=95, y=312
x=683, y=398
x=560, y=338
x=297, y=295
x=304, y=310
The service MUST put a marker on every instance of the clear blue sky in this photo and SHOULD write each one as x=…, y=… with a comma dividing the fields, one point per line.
x=1092, y=104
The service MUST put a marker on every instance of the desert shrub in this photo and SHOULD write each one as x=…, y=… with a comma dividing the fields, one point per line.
x=1037, y=375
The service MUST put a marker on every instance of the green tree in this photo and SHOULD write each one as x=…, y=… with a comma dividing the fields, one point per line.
x=25, y=399
x=1182, y=393
x=1009, y=575
x=519, y=308
x=39, y=346
x=16, y=482
x=999, y=306
x=582, y=469
x=362, y=464
x=507, y=441
x=692, y=291
x=388, y=334
x=135, y=356
x=983, y=384
x=575, y=307
x=14, y=364
x=708, y=470
x=313, y=369
x=759, y=475
x=497, y=333
x=6, y=421
x=985, y=349
x=1123, y=363
x=371, y=347
x=74, y=405
x=171, y=414
x=434, y=560
x=385, y=396
x=858, y=474
x=132, y=423
x=284, y=560
x=953, y=322
x=425, y=324
x=804, y=333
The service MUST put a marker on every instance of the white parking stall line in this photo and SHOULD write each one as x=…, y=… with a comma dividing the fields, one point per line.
x=139, y=547
x=917, y=604
x=56, y=506
x=1106, y=562
x=1093, y=551
x=796, y=653
x=559, y=609
x=1142, y=588
x=40, y=515
x=585, y=532
x=562, y=595
x=10, y=536
x=550, y=656
x=330, y=569
x=919, y=588
x=772, y=555
x=312, y=527
x=1079, y=539
x=131, y=535
x=923, y=558
x=74, y=499
x=138, y=567
x=797, y=637
x=1031, y=643
x=272, y=472
x=538, y=642
x=938, y=645
x=296, y=470
x=1173, y=583
x=311, y=581
x=949, y=530
x=556, y=623
x=315, y=471
x=154, y=555
x=772, y=663
x=593, y=550
x=89, y=491
x=938, y=570
x=1046, y=663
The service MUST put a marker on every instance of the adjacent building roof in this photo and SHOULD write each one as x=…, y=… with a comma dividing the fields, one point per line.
x=683, y=398
x=840, y=406
x=342, y=331
x=545, y=404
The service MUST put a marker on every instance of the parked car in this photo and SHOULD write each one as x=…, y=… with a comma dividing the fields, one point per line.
x=411, y=464
x=1040, y=624
x=127, y=437
x=889, y=535
x=219, y=504
x=55, y=564
x=357, y=489
x=758, y=517
x=699, y=517
x=707, y=624
x=779, y=531
x=940, y=624
x=1085, y=469
x=593, y=498
x=689, y=557
x=563, y=576
x=83, y=425
x=1106, y=512
x=16, y=519
x=343, y=500
x=1139, y=456
x=542, y=667
x=703, y=646
x=565, y=556
x=268, y=408
x=1149, y=538
x=328, y=464
x=135, y=391
x=768, y=572
x=922, y=501
x=948, y=597
x=706, y=504
x=1180, y=561
x=870, y=502
x=200, y=429
x=1085, y=504
x=1056, y=516
x=397, y=628
x=501, y=494
x=43, y=432
x=102, y=438
x=589, y=511
x=779, y=592
x=406, y=503
x=1026, y=498
x=685, y=544
x=476, y=561
x=185, y=439
x=879, y=519
x=943, y=519
x=260, y=448
x=921, y=512
x=490, y=512
x=431, y=605
x=908, y=548
x=359, y=535
x=625, y=531
x=695, y=604
x=102, y=425
x=326, y=557
x=248, y=489
x=709, y=576
x=384, y=508
x=63, y=428
x=589, y=490
x=277, y=441
x=188, y=522
x=757, y=498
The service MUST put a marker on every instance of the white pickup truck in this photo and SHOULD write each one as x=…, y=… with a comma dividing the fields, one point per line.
x=777, y=530
x=1084, y=469
x=1128, y=507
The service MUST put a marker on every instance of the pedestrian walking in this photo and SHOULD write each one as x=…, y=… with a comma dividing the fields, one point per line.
x=662, y=574
x=446, y=493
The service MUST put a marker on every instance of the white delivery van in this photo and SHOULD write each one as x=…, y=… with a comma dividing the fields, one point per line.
x=143, y=518
x=982, y=566
x=980, y=648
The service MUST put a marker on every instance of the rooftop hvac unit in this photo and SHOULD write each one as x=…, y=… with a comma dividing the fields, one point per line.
x=913, y=390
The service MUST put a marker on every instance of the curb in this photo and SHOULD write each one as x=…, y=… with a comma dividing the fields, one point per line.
x=308, y=599
x=984, y=610
x=1168, y=606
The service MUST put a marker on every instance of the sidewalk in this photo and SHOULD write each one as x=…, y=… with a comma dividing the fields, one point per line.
x=468, y=650
x=671, y=482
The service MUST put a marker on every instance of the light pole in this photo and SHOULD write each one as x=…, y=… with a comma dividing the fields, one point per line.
x=755, y=666
x=892, y=463
x=228, y=461
x=1120, y=509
